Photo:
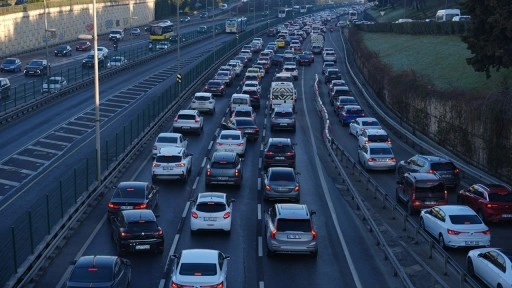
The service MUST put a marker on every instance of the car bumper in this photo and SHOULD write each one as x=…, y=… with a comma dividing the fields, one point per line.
x=453, y=241
x=303, y=248
x=186, y=129
x=169, y=174
x=280, y=125
x=238, y=150
x=223, y=180
x=273, y=195
x=154, y=245
x=224, y=224
x=33, y=73
x=279, y=163
x=381, y=166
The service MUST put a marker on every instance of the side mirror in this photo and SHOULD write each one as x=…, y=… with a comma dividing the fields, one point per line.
x=313, y=212
x=297, y=173
x=175, y=256
x=232, y=201
x=227, y=257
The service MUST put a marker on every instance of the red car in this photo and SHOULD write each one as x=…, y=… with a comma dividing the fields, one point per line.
x=83, y=46
x=492, y=202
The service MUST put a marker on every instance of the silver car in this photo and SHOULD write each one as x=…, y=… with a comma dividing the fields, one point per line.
x=282, y=118
x=281, y=183
x=289, y=228
x=377, y=156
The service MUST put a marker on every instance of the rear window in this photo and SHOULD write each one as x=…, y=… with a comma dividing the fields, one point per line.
x=243, y=114
x=282, y=176
x=223, y=165
x=244, y=123
x=91, y=275
x=302, y=225
x=211, y=207
x=250, y=92
x=443, y=166
x=214, y=84
x=168, y=159
x=230, y=136
x=380, y=151
x=280, y=148
x=186, y=117
x=370, y=123
x=377, y=138
x=465, y=219
x=287, y=114
x=167, y=139
x=201, y=98
x=142, y=226
x=129, y=193
x=346, y=100
x=354, y=111
x=239, y=101
x=341, y=92
x=198, y=269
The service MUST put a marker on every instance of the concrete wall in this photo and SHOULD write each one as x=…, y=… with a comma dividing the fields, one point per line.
x=23, y=32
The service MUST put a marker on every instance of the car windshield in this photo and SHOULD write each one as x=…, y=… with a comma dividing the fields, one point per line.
x=380, y=151
x=35, y=63
x=347, y=100
x=186, y=117
x=302, y=225
x=239, y=101
x=429, y=187
x=282, y=176
x=168, y=159
x=62, y=48
x=142, y=226
x=354, y=111
x=443, y=166
x=129, y=192
x=245, y=123
x=91, y=274
x=211, y=207
x=167, y=139
x=465, y=219
x=198, y=269
x=9, y=61
x=214, y=84
x=227, y=136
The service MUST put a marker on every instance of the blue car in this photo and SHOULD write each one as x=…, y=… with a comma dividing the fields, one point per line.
x=11, y=65
x=349, y=113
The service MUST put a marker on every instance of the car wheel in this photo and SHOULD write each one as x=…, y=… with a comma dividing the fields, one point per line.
x=441, y=241
x=314, y=255
x=470, y=267
x=422, y=223
x=270, y=253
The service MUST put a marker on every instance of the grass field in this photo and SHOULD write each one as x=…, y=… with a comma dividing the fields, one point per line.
x=439, y=58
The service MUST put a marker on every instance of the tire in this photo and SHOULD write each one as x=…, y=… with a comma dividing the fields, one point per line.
x=470, y=267
x=441, y=241
x=422, y=224
x=314, y=255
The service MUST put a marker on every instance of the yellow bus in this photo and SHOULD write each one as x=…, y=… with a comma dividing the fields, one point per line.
x=161, y=30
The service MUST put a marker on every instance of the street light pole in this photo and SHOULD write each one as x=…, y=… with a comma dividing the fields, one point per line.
x=46, y=30
x=214, y=28
x=178, y=35
x=96, y=93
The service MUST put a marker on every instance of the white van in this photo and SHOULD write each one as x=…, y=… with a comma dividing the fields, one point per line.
x=447, y=14
x=461, y=18
x=238, y=100
x=116, y=34
x=282, y=94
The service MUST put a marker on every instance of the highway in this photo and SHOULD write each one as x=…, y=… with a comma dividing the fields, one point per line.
x=346, y=253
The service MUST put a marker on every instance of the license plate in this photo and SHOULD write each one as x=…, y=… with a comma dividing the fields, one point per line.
x=249, y=131
x=185, y=127
x=229, y=150
x=472, y=243
x=283, y=124
x=430, y=202
x=279, y=158
x=223, y=178
x=168, y=168
x=293, y=236
x=142, y=247
x=506, y=215
x=126, y=207
x=210, y=219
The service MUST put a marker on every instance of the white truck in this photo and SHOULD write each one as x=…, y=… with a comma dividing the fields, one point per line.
x=317, y=40
x=282, y=94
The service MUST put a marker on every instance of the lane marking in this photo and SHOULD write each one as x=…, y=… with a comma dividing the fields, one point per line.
x=195, y=183
x=211, y=143
x=204, y=161
x=260, y=246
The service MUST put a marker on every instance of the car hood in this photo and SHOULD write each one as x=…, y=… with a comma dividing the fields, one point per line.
x=33, y=67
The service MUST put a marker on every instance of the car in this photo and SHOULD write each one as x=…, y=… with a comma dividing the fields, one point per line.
x=137, y=231
x=280, y=43
x=135, y=31
x=215, y=87
x=283, y=77
x=253, y=71
x=332, y=74
x=211, y=211
x=373, y=136
x=167, y=139
x=420, y=191
x=110, y=271
x=247, y=54
x=133, y=195
x=243, y=111
x=202, y=29
x=272, y=32
x=199, y=268
x=249, y=47
x=63, y=50
x=103, y=51
x=279, y=152
x=304, y=60
x=289, y=228
x=37, y=67
x=349, y=113
x=244, y=124
x=203, y=102
x=117, y=61
x=337, y=92
x=254, y=96
x=162, y=45
x=224, y=168
x=441, y=166
x=203, y=14
x=83, y=46
x=5, y=88
x=492, y=202
x=317, y=49
x=377, y=156
x=242, y=60
x=282, y=118
x=360, y=124
x=277, y=60
x=11, y=65
x=328, y=65
x=455, y=226
x=172, y=163
x=291, y=67
x=251, y=77
x=252, y=85
x=262, y=66
x=336, y=83
x=231, y=141
x=491, y=265
x=88, y=61
x=116, y=35
x=281, y=183
x=54, y=84
x=225, y=76
x=188, y=121
x=329, y=56
x=185, y=19
x=237, y=66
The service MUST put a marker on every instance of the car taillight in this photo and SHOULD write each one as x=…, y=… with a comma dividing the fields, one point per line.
x=194, y=215
x=486, y=232
x=273, y=234
x=269, y=153
x=124, y=234
x=371, y=159
x=240, y=144
x=158, y=232
x=313, y=233
x=237, y=172
x=392, y=159
x=197, y=121
x=113, y=206
x=226, y=215
x=180, y=164
x=268, y=188
x=290, y=153
x=140, y=206
x=491, y=205
x=208, y=171
x=297, y=188
x=431, y=171
x=389, y=142
x=456, y=171
x=219, y=144
x=156, y=165
x=452, y=232
x=176, y=119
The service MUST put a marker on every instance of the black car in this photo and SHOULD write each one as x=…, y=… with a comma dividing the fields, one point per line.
x=277, y=60
x=100, y=271
x=279, y=152
x=332, y=74
x=224, y=168
x=137, y=231
x=304, y=60
x=133, y=195
x=36, y=68
x=216, y=87
x=442, y=167
x=63, y=50
x=255, y=97
x=88, y=62
x=246, y=125
x=203, y=14
x=282, y=118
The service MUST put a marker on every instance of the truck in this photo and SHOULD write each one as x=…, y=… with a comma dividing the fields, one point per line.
x=447, y=14
x=317, y=41
x=282, y=94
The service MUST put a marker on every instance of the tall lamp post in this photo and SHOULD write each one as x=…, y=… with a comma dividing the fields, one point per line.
x=214, y=28
x=46, y=39
x=178, y=35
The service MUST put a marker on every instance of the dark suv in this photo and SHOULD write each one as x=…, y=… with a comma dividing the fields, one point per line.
x=110, y=271
x=420, y=191
x=279, y=152
x=444, y=168
x=332, y=74
x=224, y=168
x=137, y=230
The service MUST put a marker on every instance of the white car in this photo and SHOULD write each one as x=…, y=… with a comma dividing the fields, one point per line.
x=244, y=111
x=188, y=121
x=377, y=156
x=455, y=226
x=247, y=54
x=360, y=124
x=373, y=136
x=172, y=163
x=169, y=140
x=252, y=85
x=291, y=67
x=200, y=268
x=103, y=51
x=491, y=265
x=237, y=67
x=203, y=102
x=211, y=211
x=118, y=61
x=260, y=67
x=329, y=56
x=231, y=141
x=54, y=84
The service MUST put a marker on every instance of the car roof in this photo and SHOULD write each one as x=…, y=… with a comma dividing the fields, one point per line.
x=136, y=215
x=169, y=134
x=377, y=145
x=211, y=196
x=494, y=188
x=434, y=159
x=456, y=209
x=171, y=151
x=199, y=256
x=279, y=141
x=347, y=107
x=376, y=132
x=296, y=211
x=223, y=156
x=96, y=261
x=203, y=94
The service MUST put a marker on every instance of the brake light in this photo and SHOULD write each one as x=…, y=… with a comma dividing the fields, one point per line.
x=269, y=153
x=180, y=165
x=371, y=159
x=491, y=205
x=113, y=206
x=290, y=153
x=92, y=269
x=176, y=119
x=124, y=234
x=140, y=206
x=366, y=142
x=452, y=232
x=156, y=164
x=226, y=215
x=313, y=233
x=194, y=215
x=268, y=188
x=237, y=172
x=431, y=171
x=159, y=232
x=208, y=171
x=197, y=120
x=297, y=188
x=218, y=144
x=486, y=232
x=457, y=171
x=273, y=234
x=240, y=144
x=392, y=159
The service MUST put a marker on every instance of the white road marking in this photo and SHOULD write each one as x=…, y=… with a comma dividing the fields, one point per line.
x=260, y=246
